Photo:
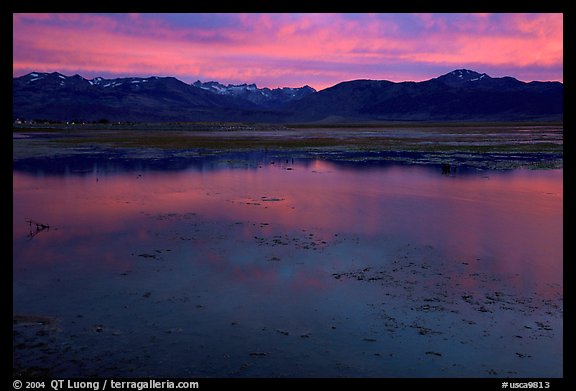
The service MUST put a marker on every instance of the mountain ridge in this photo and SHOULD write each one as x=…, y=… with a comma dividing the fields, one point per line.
x=459, y=95
x=261, y=96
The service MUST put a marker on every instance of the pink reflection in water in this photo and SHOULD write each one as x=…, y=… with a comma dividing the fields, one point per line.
x=235, y=259
x=504, y=222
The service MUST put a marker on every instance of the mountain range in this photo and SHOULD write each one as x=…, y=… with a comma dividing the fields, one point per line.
x=460, y=95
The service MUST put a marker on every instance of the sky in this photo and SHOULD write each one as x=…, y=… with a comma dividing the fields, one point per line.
x=289, y=50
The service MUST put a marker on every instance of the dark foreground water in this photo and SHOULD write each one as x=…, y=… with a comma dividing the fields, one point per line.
x=265, y=267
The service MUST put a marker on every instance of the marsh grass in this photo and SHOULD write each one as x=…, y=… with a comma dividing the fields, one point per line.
x=477, y=143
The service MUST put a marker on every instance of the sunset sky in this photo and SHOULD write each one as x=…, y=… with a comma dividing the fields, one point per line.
x=289, y=50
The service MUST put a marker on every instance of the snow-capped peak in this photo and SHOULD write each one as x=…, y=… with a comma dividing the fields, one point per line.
x=459, y=76
x=464, y=74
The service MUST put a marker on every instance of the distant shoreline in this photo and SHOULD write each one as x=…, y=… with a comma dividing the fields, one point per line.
x=224, y=125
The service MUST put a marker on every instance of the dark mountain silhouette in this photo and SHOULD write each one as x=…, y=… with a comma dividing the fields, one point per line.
x=461, y=95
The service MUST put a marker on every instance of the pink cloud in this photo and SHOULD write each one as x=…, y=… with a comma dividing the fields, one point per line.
x=287, y=49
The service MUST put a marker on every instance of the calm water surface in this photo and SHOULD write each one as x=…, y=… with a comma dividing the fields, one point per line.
x=280, y=268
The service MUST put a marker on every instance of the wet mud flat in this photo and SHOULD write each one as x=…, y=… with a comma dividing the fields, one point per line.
x=281, y=260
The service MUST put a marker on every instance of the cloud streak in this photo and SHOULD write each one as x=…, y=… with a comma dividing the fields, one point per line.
x=290, y=49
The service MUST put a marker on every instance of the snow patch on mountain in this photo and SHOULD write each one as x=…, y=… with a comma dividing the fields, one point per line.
x=261, y=96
